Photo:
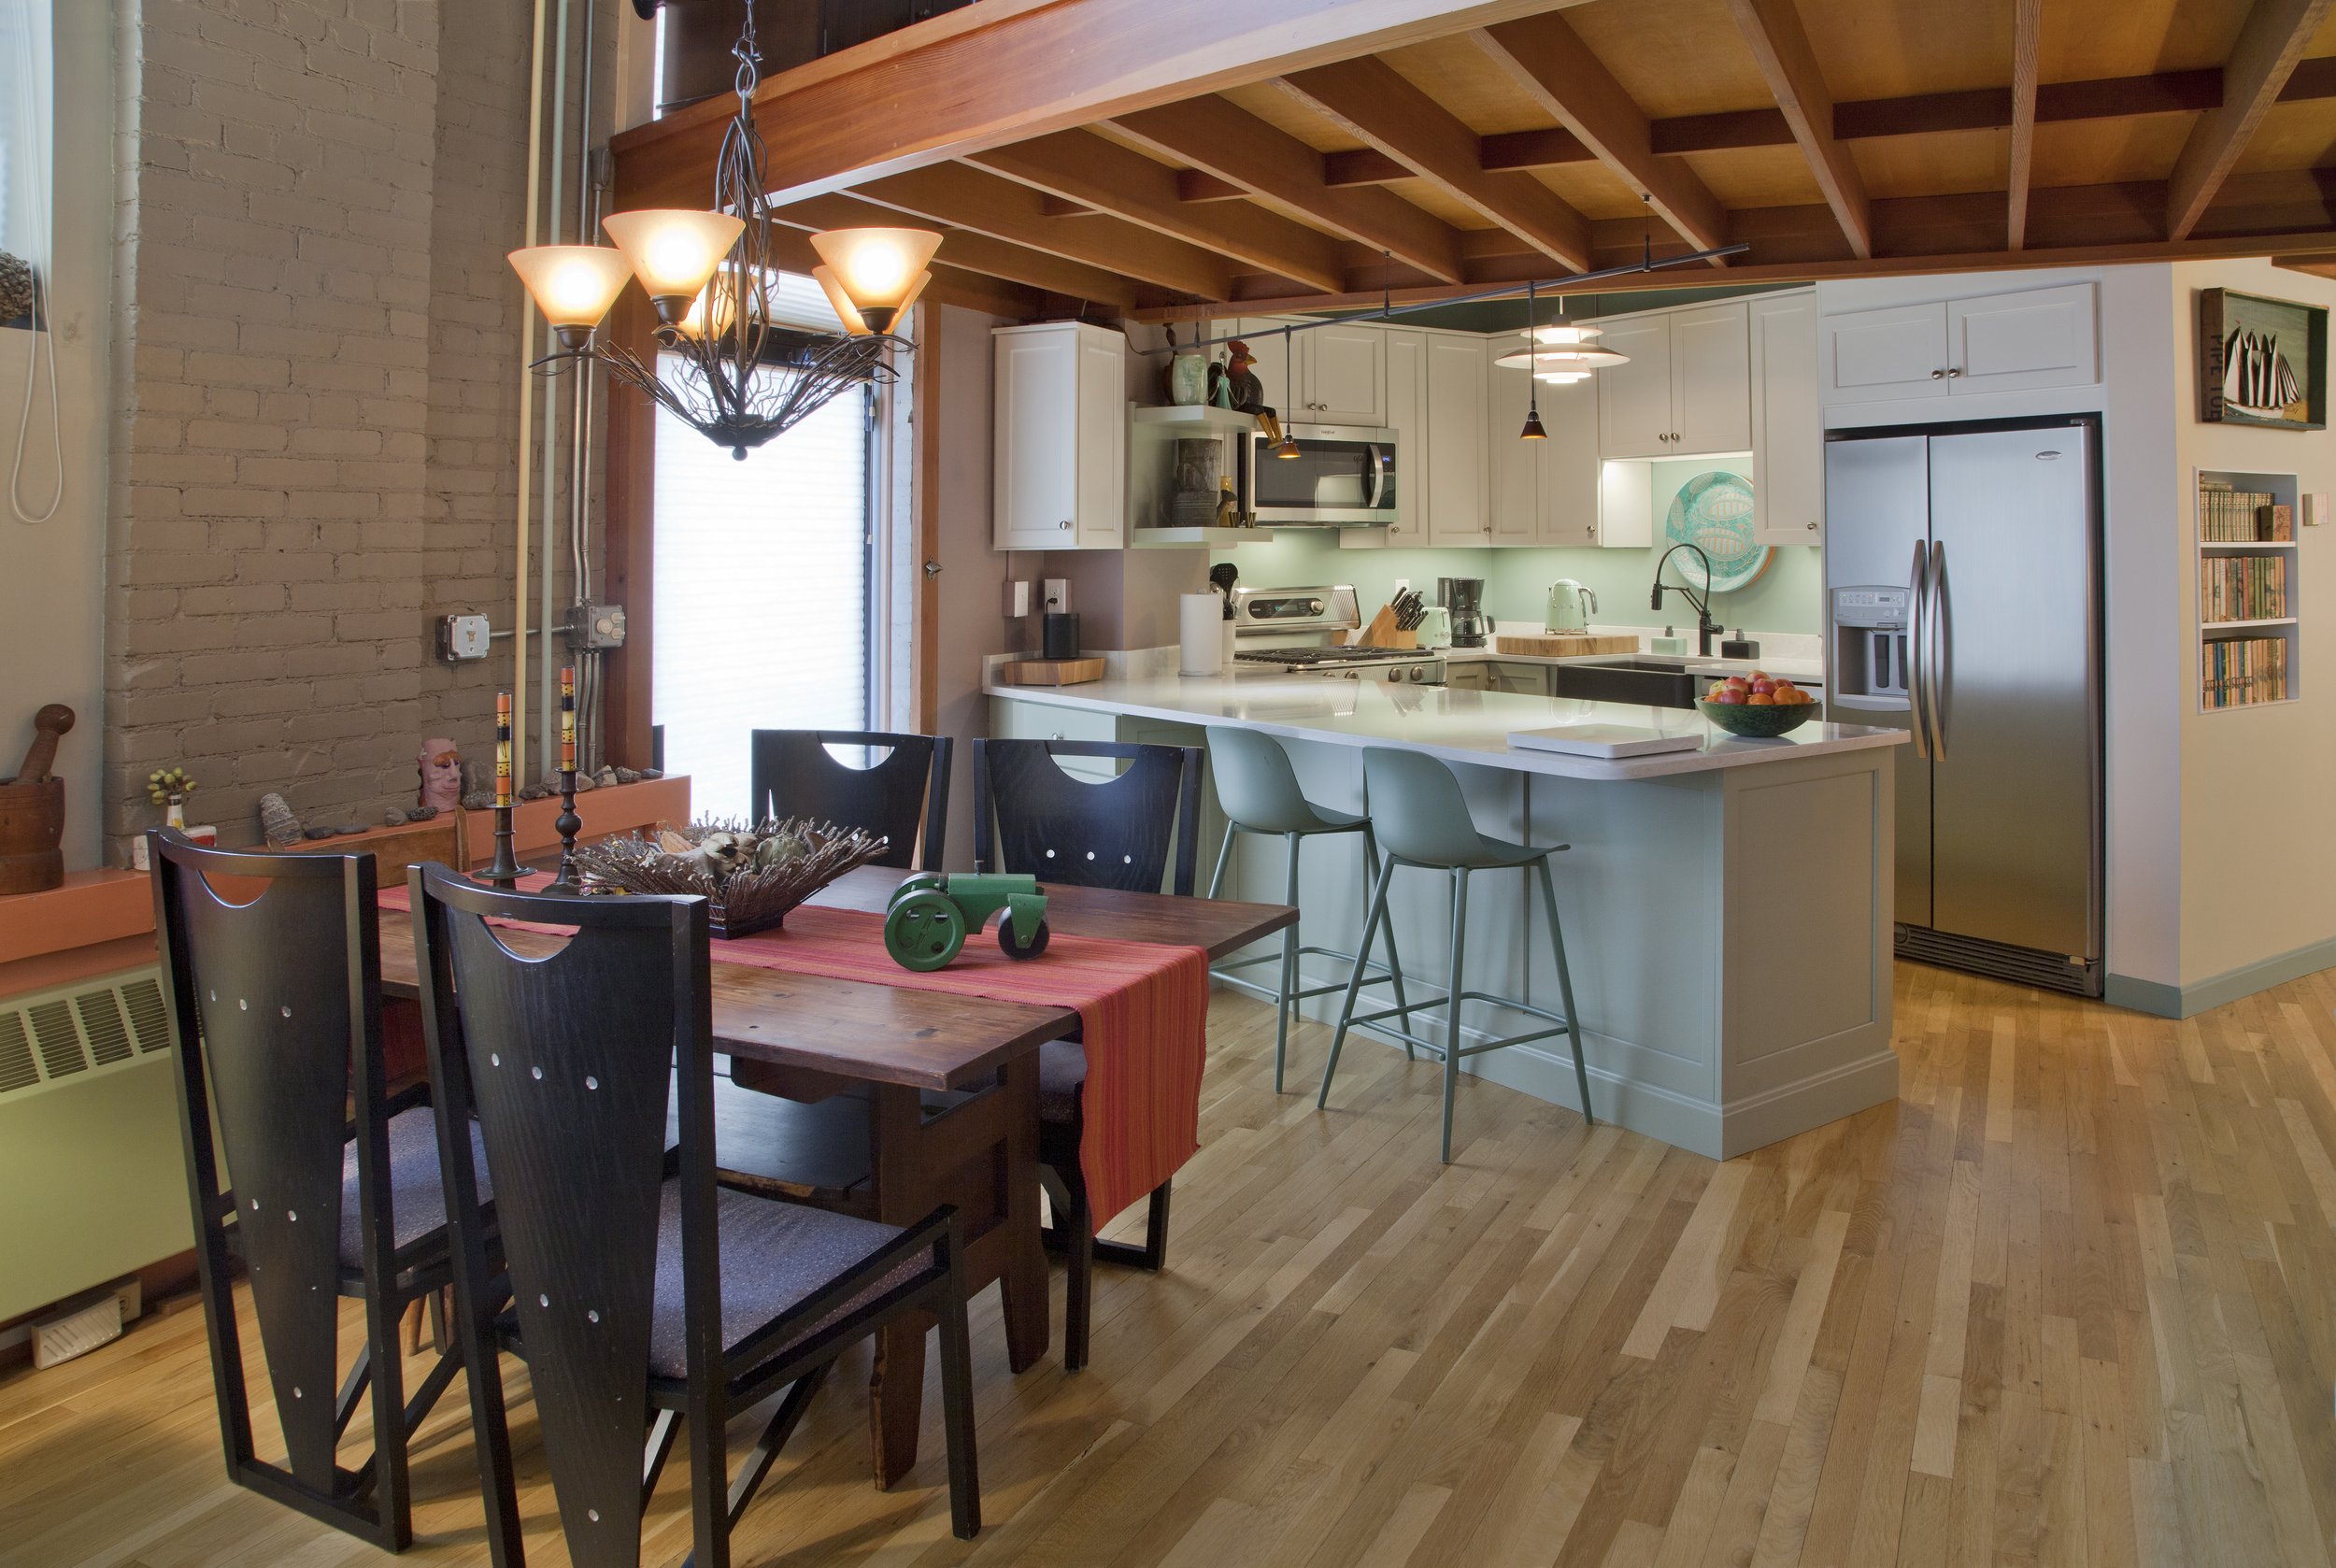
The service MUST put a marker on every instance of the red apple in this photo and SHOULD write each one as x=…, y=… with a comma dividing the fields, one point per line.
x=1730, y=694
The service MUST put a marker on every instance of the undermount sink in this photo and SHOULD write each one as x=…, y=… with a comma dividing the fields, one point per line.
x=1650, y=682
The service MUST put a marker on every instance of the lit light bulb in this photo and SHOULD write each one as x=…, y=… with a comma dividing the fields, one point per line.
x=677, y=253
x=879, y=271
x=573, y=285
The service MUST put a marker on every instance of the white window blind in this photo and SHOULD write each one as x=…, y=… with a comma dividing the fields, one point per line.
x=761, y=592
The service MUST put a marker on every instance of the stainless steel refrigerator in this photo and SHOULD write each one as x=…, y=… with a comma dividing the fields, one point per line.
x=1962, y=587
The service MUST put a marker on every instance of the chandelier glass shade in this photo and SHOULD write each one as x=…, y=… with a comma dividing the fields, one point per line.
x=728, y=366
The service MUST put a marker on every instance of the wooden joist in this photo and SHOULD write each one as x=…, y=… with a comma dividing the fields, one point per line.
x=1781, y=45
x=1546, y=58
x=1236, y=146
x=2027, y=39
x=2269, y=43
x=971, y=252
x=1372, y=100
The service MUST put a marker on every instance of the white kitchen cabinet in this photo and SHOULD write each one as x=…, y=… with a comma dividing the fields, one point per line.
x=1787, y=435
x=1543, y=493
x=1457, y=511
x=1685, y=389
x=2019, y=341
x=1406, y=359
x=1059, y=479
x=1634, y=399
x=1345, y=379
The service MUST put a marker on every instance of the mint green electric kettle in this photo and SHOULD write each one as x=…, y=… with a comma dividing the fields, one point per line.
x=1571, y=606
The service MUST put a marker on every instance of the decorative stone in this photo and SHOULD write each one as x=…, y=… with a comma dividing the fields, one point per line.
x=318, y=832
x=393, y=818
x=479, y=800
x=653, y=773
x=535, y=791
x=422, y=813
x=347, y=828
x=585, y=782
x=276, y=822
x=628, y=776
x=606, y=776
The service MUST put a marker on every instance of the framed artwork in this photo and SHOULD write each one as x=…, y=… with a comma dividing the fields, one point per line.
x=2261, y=362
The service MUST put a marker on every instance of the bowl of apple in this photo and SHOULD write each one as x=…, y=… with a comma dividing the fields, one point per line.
x=1758, y=705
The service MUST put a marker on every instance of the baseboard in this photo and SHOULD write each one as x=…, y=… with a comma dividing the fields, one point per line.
x=2181, y=1002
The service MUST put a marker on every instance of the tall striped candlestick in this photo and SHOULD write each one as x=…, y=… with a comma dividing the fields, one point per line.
x=567, y=718
x=504, y=872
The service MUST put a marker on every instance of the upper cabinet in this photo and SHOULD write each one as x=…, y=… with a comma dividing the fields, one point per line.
x=1058, y=477
x=1406, y=359
x=1787, y=433
x=1326, y=375
x=2014, y=342
x=1685, y=391
x=1457, y=506
x=1542, y=493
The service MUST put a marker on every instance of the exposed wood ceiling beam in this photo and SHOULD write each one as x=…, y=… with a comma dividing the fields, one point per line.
x=1546, y=58
x=2269, y=43
x=1007, y=70
x=971, y=252
x=1781, y=45
x=1230, y=144
x=968, y=198
x=1371, y=101
x=2027, y=42
x=1082, y=167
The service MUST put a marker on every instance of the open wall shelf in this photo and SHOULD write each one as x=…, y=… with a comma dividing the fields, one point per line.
x=2249, y=590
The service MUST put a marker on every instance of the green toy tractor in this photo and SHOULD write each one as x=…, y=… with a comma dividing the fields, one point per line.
x=929, y=918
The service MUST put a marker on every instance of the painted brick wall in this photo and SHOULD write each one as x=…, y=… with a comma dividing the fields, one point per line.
x=317, y=353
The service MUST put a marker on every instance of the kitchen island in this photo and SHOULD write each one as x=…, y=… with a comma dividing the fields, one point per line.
x=1726, y=909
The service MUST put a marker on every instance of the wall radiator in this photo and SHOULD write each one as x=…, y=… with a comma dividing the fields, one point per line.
x=92, y=1181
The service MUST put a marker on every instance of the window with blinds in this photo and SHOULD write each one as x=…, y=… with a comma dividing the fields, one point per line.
x=762, y=617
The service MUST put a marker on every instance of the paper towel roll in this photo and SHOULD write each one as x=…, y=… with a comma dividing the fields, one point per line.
x=1200, y=633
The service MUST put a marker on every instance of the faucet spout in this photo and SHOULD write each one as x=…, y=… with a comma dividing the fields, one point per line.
x=1704, y=624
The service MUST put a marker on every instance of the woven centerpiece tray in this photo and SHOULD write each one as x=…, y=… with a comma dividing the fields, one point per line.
x=750, y=877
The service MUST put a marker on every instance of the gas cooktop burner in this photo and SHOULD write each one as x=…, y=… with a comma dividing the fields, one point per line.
x=1340, y=655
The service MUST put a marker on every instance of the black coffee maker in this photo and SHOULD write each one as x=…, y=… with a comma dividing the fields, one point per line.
x=1464, y=598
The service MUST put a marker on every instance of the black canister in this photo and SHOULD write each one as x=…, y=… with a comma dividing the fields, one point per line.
x=1058, y=637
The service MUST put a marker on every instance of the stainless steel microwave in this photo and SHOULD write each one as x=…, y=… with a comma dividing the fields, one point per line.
x=1342, y=476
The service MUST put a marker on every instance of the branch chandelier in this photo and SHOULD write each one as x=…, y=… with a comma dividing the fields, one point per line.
x=744, y=378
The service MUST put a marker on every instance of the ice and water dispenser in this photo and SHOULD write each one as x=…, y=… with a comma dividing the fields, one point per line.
x=1871, y=642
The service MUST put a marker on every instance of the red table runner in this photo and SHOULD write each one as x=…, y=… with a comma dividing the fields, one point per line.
x=1143, y=1011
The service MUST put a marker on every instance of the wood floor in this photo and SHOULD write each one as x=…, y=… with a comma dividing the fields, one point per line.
x=2071, y=1301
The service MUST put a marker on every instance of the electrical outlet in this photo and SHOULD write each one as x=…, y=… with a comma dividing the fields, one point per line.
x=463, y=637
x=597, y=626
x=1058, y=596
x=1402, y=585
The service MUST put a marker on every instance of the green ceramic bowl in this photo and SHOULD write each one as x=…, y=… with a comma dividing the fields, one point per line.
x=1742, y=718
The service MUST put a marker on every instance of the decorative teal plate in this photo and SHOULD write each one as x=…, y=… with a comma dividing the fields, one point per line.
x=1713, y=511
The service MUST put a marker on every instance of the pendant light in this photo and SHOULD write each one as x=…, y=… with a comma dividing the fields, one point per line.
x=712, y=276
x=1288, y=447
x=1532, y=431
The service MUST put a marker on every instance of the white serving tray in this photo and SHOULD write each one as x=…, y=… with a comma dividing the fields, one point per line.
x=1606, y=740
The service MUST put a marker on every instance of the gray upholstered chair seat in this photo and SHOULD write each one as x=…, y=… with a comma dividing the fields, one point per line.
x=417, y=1186
x=774, y=1254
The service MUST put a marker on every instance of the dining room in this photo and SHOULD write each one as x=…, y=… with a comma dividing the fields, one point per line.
x=841, y=783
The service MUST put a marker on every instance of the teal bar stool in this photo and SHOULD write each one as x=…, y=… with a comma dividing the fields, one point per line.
x=1421, y=819
x=1257, y=789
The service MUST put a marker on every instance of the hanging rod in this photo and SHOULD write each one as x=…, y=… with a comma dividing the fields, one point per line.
x=1505, y=291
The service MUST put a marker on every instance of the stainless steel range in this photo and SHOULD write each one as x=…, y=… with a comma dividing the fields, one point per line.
x=1304, y=630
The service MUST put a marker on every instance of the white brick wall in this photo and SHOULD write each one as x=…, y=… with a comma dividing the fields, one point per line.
x=316, y=449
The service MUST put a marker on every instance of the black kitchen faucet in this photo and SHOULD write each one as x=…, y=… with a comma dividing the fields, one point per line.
x=1704, y=624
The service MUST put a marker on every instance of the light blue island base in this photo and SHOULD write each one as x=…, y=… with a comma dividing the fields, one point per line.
x=1726, y=912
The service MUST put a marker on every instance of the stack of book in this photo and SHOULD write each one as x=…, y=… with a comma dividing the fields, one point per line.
x=2242, y=516
x=2238, y=671
x=2243, y=587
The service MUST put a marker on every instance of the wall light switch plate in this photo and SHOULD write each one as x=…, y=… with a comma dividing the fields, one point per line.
x=462, y=637
x=1017, y=598
x=1058, y=596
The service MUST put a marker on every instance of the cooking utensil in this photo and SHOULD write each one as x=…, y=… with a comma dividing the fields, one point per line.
x=50, y=723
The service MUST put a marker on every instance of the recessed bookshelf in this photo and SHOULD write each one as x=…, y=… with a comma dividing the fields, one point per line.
x=2247, y=574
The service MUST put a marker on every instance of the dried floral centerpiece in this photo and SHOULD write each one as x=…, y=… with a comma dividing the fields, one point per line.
x=750, y=876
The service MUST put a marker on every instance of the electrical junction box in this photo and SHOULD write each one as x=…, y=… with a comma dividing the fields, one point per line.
x=462, y=637
x=597, y=626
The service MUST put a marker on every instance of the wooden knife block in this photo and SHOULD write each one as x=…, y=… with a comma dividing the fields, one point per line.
x=1381, y=633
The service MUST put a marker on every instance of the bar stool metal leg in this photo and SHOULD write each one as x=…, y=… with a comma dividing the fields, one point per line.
x=1354, y=982
x=1224, y=854
x=1452, y=996
x=1565, y=986
x=1394, y=963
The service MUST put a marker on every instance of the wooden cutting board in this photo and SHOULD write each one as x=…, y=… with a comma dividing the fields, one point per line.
x=1051, y=672
x=1560, y=645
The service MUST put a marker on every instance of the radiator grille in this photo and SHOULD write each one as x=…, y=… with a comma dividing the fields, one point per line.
x=2025, y=966
x=61, y=1035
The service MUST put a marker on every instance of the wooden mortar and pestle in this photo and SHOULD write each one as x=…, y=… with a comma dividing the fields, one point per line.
x=32, y=811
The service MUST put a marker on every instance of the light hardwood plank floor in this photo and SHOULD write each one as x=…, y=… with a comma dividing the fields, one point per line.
x=2071, y=1301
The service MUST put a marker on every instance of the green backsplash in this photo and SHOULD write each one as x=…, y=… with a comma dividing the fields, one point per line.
x=1787, y=597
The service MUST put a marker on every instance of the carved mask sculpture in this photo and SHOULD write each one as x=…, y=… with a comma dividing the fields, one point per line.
x=441, y=768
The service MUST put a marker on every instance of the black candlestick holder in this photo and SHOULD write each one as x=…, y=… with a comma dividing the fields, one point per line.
x=568, y=824
x=504, y=872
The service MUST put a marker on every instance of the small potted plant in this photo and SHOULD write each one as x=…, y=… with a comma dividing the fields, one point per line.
x=169, y=788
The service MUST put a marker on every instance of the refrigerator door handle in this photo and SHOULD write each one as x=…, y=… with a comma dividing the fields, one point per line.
x=1937, y=663
x=1918, y=649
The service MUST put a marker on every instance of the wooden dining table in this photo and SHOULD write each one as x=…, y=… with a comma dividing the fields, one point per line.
x=887, y=1102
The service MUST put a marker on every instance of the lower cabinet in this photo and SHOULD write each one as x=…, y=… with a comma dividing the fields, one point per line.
x=1529, y=680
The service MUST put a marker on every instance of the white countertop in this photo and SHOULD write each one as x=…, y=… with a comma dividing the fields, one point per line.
x=1458, y=726
x=1810, y=672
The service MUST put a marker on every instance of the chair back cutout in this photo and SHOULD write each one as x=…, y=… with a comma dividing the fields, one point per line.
x=794, y=774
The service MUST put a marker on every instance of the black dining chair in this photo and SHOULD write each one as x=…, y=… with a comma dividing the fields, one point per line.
x=272, y=964
x=644, y=1293
x=1119, y=833
x=793, y=774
